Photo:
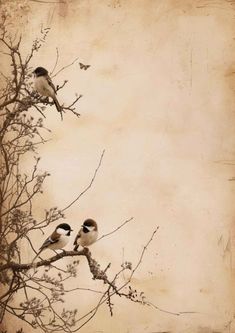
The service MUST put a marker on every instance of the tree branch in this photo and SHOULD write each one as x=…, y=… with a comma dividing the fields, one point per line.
x=89, y=185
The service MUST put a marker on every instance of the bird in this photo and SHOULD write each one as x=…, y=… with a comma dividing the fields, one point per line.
x=87, y=235
x=57, y=240
x=45, y=87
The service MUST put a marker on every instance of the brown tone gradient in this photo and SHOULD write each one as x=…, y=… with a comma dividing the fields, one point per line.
x=159, y=97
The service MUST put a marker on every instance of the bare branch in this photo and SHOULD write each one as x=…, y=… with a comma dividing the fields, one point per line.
x=67, y=66
x=42, y=283
x=56, y=61
x=116, y=229
x=89, y=185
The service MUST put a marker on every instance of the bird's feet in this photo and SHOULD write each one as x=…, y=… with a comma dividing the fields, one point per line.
x=86, y=250
x=45, y=100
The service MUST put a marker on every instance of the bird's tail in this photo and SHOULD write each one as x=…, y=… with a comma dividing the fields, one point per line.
x=58, y=106
x=76, y=245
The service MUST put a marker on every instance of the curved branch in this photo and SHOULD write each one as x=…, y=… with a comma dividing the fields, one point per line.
x=22, y=267
x=116, y=229
x=90, y=184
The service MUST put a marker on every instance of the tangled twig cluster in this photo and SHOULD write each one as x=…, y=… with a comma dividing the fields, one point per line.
x=42, y=285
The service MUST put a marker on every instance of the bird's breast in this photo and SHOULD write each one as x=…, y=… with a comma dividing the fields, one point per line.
x=62, y=242
x=42, y=86
x=88, y=238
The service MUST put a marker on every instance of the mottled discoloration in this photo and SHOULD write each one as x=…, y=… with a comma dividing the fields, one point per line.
x=159, y=96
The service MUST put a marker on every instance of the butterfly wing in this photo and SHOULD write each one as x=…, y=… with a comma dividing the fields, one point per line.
x=85, y=67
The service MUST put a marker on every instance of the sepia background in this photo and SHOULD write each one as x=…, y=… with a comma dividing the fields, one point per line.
x=159, y=98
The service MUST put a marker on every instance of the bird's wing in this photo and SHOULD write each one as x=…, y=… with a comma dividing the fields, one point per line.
x=50, y=83
x=77, y=237
x=48, y=242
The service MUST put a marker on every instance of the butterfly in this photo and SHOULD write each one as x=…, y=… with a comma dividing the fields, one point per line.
x=85, y=67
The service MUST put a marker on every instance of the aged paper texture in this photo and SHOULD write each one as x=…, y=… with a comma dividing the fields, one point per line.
x=159, y=98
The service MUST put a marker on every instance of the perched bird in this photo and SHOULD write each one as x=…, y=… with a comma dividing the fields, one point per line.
x=87, y=235
x=58, y=239
x=45, y=87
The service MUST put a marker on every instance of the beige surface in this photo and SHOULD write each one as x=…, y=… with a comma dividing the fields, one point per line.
x=159, y=98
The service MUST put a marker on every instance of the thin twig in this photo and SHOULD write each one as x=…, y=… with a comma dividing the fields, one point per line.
x=116, y=229
x=56, y=61
x=64, y=67
x=89, y=186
